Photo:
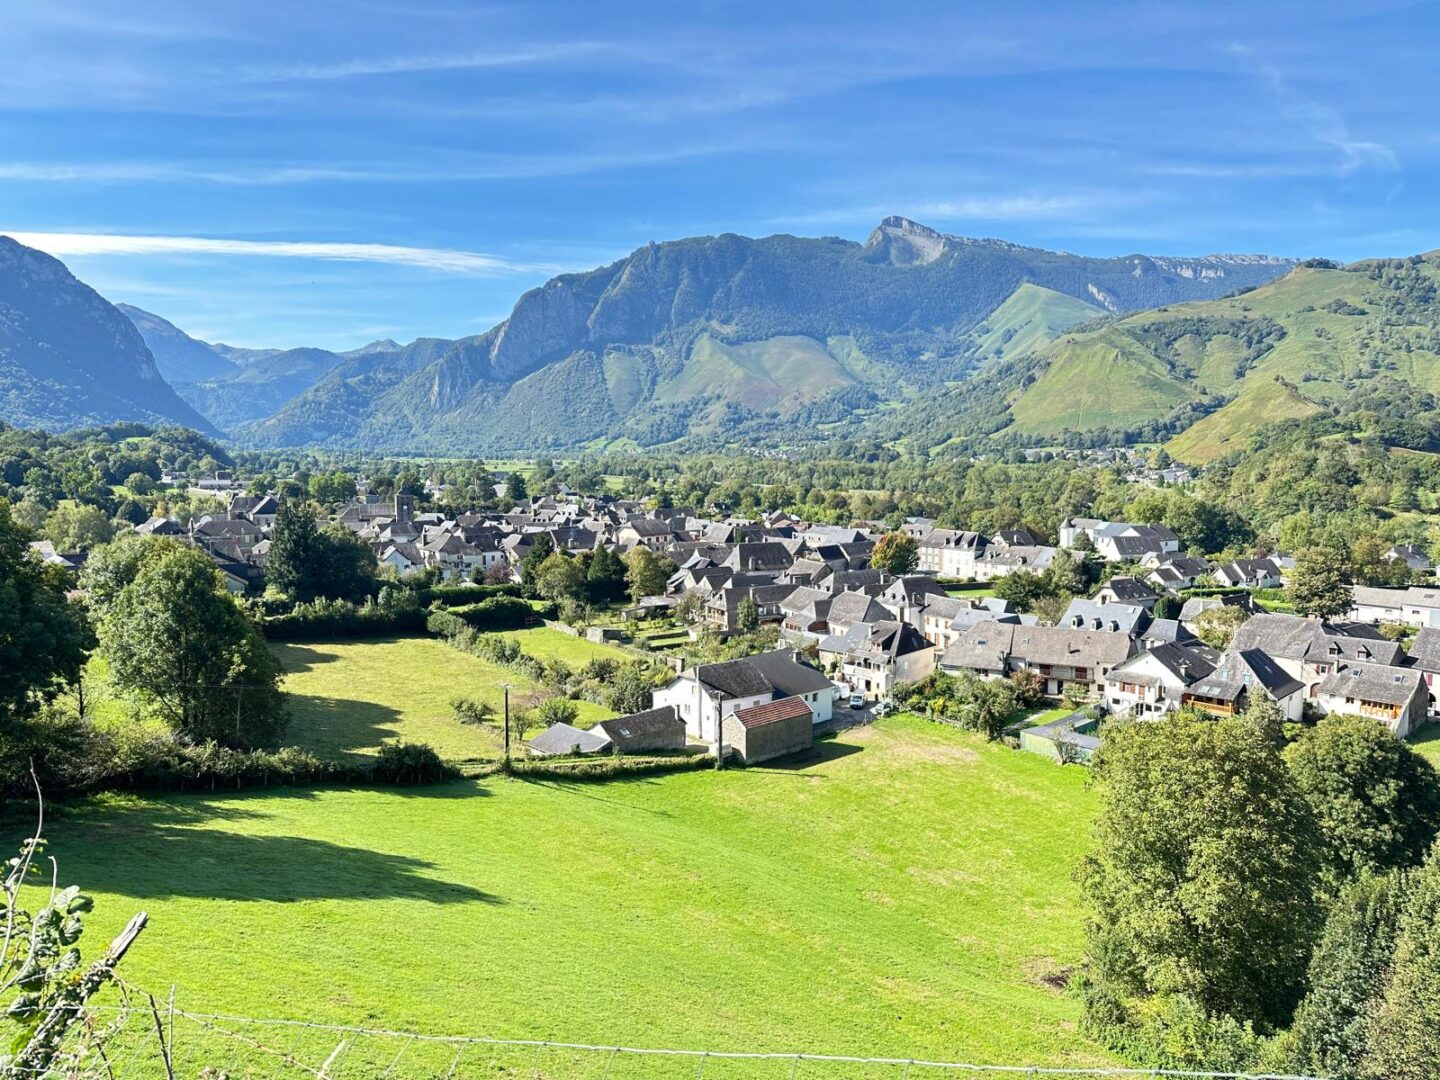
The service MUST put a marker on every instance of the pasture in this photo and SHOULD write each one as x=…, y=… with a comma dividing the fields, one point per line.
x=905, y=889
x=348, y=697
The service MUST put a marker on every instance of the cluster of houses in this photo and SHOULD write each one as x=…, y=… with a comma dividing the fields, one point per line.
x=847, y=628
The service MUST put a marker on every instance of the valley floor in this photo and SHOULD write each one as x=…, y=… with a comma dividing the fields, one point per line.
x=904, y=889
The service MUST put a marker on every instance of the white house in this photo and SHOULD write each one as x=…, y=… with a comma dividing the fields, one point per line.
x=875, y=658
x=1154, y=682
x=1397, y=697
x=1415, y=606
x=703, y=696
x=950, y=553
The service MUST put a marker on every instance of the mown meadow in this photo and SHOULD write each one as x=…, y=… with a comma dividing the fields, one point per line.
x=904, y=889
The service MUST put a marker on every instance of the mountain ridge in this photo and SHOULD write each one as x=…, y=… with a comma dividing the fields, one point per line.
x=906, y=300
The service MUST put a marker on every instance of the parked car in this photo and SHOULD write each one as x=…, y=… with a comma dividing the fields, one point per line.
x=885, y=708
x=857, y=701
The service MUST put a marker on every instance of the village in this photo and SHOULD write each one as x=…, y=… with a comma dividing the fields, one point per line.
x=840, y=633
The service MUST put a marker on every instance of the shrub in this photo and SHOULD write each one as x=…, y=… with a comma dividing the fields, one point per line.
x=557, y=711
x=411, y=763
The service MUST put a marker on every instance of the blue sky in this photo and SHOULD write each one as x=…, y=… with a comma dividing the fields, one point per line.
x=327, y=173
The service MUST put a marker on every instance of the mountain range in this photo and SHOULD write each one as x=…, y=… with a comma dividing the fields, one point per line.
x=712, y=338
x=68, y=357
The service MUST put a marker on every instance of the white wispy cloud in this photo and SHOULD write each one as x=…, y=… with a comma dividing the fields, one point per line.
x=466, y=167
x=439, y=259
x=1323, y=123
x=361, y=67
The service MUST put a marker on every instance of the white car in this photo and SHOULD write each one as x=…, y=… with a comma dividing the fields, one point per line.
x=857, y=701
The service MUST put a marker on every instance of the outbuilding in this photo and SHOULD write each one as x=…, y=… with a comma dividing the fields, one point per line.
x=769, y=730
x=644, y=732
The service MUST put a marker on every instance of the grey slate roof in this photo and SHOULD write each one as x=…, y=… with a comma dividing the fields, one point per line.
x=788, y=676
x=651, y=721
x=1294, y=638
x=564, y=739
x=986, y=646
x=1093, y=615
x=1372, y=682
x=1244, y=669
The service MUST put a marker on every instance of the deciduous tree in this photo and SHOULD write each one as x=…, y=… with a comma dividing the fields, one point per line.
x=176, y=636
x=896, y=553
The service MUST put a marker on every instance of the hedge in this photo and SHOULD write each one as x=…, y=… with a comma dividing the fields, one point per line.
x=341, y=618
x=606, y=766
x=501, y=613
x=455, y=595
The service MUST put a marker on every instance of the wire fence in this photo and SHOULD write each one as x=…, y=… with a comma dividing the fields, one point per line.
x=146, y=1037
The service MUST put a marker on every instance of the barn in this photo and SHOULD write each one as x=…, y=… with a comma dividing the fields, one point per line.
x=645, y=732
x=769, y=730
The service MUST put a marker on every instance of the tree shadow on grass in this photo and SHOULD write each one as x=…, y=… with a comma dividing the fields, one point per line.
x=169, y=861
x=297, y=658
x=340, y=727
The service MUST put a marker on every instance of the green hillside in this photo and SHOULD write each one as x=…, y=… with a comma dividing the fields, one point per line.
x=776, y=373
x=1105, y=379
x=1029, y=319
x=1324, y=331
x=1263, y=402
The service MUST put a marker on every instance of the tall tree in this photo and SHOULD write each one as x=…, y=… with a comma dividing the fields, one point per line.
x=1404, y=1035
x=1376, y=800
x=560, y=577
x=606, y=575
x=747, y=615
x=541, y=548
x=1347, y=972
x=43, y=636
x=175, y=635
x=646, y=573
x=515, y=487
x=1317, y=583
x=896, y=553
x=294, y=544
x=1203, y=879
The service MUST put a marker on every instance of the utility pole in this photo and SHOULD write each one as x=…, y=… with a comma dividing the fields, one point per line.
x=719, y=736
x=507, y=726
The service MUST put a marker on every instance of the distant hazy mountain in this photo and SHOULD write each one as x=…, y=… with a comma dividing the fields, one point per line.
x=180, y=357
x=702, y=336
x=230, y=385
x=68, y=357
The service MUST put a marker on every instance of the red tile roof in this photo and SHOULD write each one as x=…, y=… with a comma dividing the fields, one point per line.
x=772, y=712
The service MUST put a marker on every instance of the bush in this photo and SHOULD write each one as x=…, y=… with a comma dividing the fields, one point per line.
x=411, y=763
x=497, y=613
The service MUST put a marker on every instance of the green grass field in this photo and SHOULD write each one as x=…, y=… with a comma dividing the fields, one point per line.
x=346, y=698
x=904, y=890
x=1427, y=742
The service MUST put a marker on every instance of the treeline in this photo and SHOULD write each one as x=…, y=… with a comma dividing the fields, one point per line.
x=1265, y=898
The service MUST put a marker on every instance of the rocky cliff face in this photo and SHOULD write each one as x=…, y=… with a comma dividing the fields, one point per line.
x=68, y=357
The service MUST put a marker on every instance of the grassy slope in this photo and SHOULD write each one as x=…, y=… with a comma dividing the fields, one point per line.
x=905, y=891
x=1100, y=379
x=1262, y=402
x=1321, y=349
x=348, y=697
x=779, y=372
x=1032, y=316
x=1428, y=743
